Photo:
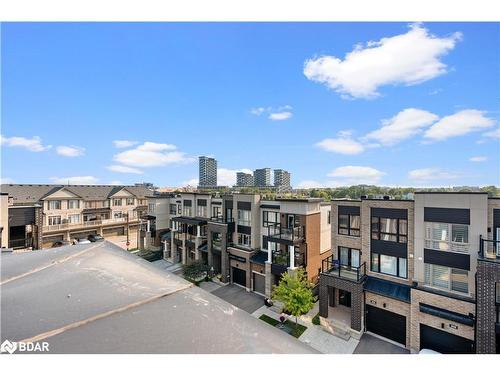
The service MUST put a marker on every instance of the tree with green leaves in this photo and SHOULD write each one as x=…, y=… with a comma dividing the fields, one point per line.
x=295, y=292
x=195, y=270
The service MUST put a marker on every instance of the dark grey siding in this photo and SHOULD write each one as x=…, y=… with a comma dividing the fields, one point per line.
x=447, y=215
x=447, y=259
x=21, y=216
x=348, y=210
x=390, y=248
x=391, y=213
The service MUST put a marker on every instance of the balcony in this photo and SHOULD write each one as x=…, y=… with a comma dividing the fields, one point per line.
x=223, y=221
x=276, y=232
x=489, y=249
x=86, y=224
x=459, y=247
x=333, y=267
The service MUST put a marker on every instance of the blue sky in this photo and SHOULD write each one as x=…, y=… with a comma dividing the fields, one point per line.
x=333, y=103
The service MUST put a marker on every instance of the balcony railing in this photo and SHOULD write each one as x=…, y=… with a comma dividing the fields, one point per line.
x=276, y=231
x=333, y=267
x=86, y=224
x=282, y=258
x=459, y=247
x=20, y=243
x=489, y=249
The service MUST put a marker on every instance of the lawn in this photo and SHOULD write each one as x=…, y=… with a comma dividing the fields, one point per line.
x=289, y=326
x=315, y=320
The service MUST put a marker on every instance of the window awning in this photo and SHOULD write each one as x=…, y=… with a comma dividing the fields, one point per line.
x=388, y=288
x=446, y=314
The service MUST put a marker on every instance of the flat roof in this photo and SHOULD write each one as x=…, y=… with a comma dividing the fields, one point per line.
x=98, y=298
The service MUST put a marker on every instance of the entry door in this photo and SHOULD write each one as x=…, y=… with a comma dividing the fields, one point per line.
x=349, y=257
x=344, y=298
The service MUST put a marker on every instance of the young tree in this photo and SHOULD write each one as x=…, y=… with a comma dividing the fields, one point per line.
x=295, y=291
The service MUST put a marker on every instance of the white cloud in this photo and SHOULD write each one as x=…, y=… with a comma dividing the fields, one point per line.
x=191, y=182
x=310, y=184
x=478, y=158
x=76, y=180
x=403, y=125
x=493, y=134
x=354, y=175
x=151, y=154
x=430, y=174
x=227, y=177
x=70, y=151
x=7, y=180
x=409, y=59
x=344, y=144
x=33, y=144
x=123, y=169
x=124, y=144
x=460, y=123
x=280, y=116
x=258, y=111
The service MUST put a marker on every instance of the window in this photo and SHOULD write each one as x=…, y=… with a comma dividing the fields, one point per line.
x=74, y=219
x=54, y=220
x=349, y=225
x=201, y=211
x=498, y=301
x=54, y=205
x=389, y=265
x=245, y=218
x=349, y=257
x=151, y=207
x=130, y=201
x=229, y=214
x=117, y=202
x=447, y=237
x=187, y=211
x=179, y=209
x=446, y=278
x=118, y=215
x=270, y=218
x=73, y=204
x=388, y=229
x=329, y=217
x=244, y=240
x=173, y=209
x=216, y=211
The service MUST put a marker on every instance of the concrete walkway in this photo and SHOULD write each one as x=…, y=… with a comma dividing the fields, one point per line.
x=167, y=266
x=370, y=344
x=315, y=336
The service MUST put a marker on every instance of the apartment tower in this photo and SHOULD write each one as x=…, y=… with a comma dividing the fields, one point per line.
x=207, y=172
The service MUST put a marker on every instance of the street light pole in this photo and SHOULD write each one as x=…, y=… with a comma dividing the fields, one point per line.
x=128, y=242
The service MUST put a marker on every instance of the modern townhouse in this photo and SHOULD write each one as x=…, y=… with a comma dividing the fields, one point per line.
x=40, y=215
x=422, y=273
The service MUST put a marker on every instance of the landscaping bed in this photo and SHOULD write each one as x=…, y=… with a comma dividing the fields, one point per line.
x=288, y=326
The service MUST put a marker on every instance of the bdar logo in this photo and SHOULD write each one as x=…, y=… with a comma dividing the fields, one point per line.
x=8, y=346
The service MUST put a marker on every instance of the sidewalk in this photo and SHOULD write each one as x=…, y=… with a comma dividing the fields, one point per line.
x=315, y=336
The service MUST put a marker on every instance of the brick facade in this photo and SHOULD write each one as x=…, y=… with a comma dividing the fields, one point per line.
x=488, y=274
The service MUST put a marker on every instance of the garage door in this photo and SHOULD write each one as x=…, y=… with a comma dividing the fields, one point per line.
x=114, y=231
x=259, y=283
x=444, y=342
x=239, y=277
x=386, y=324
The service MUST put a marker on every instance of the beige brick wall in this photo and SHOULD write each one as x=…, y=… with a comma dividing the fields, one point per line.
x=417, y=318
x=393, y=305
x=342, y=240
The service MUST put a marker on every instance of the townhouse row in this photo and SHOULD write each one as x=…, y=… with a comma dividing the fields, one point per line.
x=37, y=216
x=423, y=273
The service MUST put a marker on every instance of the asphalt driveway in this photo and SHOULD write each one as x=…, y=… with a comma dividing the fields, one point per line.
x=240, y=298
x=372, y=345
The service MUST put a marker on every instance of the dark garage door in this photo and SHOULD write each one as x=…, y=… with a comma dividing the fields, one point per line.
x=444, y=342
x=239, y=277
x=386, y=324
x=259, y=283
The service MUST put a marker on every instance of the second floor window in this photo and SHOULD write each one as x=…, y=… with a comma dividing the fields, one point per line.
x=443, y=236
x=151, y=207
x=446, y=278
x=270, y=218
x=349, y=225
x=73, y=204
x=202, y=211
x=244, y=240
x=117, y=202
x=118, y=215
x=74, y=219
x=187, y=211
x=389, y=265
x=173, y=209
x=54, y=220
x=388, y=229
x=216, y=211
x=130, y=201
x=54, y=205
x=245, y=218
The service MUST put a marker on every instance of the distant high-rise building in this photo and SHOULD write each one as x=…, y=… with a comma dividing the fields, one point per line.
x=262, y=177
x=282, y=179
x=244, y=179
x=208, y=172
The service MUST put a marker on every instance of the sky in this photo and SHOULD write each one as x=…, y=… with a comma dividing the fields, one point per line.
x=392, y=104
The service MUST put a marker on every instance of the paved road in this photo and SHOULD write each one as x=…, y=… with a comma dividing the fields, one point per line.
x=372, y=345
x=239, y=297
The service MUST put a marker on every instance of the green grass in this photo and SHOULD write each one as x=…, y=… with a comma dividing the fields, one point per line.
x=315, y=320
x=296, y=331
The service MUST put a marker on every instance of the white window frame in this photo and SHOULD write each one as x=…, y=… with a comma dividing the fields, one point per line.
x=115, y=200
x=245, y=217
x=50, y=220
x=430, y=282
x=70, y=220
x=77, y=206
x=445, y=244
x=53, y=203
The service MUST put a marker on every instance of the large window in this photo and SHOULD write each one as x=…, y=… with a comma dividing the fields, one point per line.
x=244, y=240
x=118, y=215
x=386, y=229
x=54, y=205
x=245, y=218
x=151, y=207
x=447, y=237
x=216, y=211
x=349, y=257
x=130, y=201
x=201, y=211
x=117, y=202
x=389, y=265
x=270, y=218
x=74, y=219
x=173, y=209
x=73, y=204
x=54, y=220
x=187, y=211
x=349, y=225
x=446, y=278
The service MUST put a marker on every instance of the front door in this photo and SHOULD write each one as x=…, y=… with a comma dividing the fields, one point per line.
x=344, y=298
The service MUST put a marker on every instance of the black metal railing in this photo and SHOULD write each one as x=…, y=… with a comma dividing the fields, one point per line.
x=489, y=249
x=222, y=220
x=20, y=243
x=283, y=258
x=290, y=234
x=333, y=267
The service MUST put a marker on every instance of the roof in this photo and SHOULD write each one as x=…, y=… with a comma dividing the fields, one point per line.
x=387, y=288
x=98, y=298
x=32, y=193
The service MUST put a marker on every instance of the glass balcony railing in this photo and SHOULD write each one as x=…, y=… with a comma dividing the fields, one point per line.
x=489, y=249
x=333, y=267
x=276, y=231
